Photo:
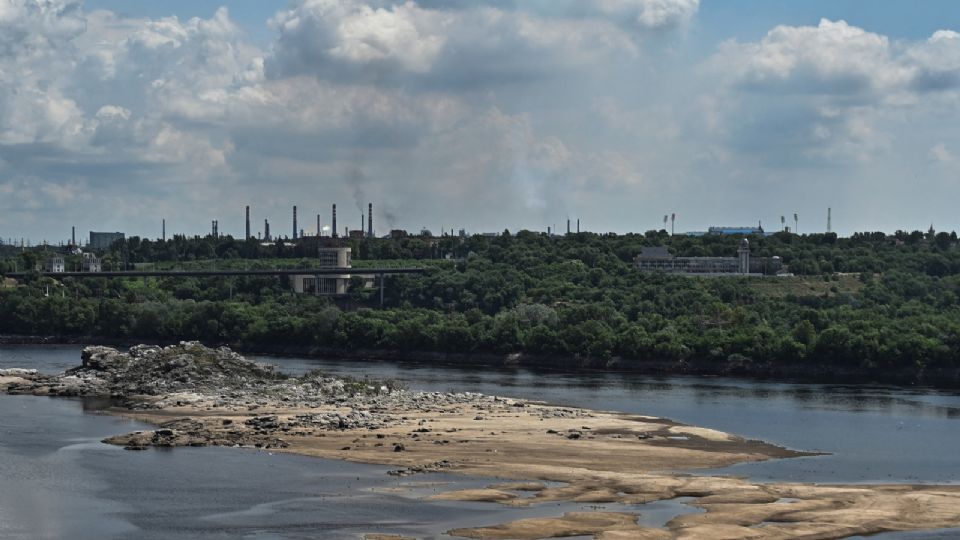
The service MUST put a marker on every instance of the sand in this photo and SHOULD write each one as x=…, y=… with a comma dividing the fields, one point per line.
x=597, y=457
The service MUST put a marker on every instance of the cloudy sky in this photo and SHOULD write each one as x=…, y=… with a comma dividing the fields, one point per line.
x=481, y=114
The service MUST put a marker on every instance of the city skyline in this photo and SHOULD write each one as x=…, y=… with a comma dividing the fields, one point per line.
x=485, y=115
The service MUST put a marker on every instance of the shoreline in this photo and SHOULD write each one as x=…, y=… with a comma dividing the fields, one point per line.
x=532, y=452
x=946, y=379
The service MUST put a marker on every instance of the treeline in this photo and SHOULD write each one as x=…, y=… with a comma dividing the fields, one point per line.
x=576, y=296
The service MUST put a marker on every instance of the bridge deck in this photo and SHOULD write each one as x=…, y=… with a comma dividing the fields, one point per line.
x=216, y=273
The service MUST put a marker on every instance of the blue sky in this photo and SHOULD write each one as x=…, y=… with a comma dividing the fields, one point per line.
x=481, y=114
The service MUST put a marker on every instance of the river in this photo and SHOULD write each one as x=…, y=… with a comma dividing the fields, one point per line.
x=59, y=481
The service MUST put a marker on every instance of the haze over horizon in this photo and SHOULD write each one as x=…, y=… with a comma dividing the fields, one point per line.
x=486, y=115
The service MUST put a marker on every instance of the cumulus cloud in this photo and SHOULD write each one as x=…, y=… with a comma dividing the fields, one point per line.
x=480, y=46
x=838, y=59
x=652, y=13
x=820, y=93
x=464, y=112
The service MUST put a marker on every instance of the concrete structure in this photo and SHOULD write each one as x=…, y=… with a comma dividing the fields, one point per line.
x=326, y=285
x=103, y=240
x=247, y=237
x=91, y=263
x=659, y=259
x=743, y=256
x=55, y=264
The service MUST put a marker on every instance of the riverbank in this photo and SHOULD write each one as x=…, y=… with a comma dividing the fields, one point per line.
x=805, y=372
x=597, y=457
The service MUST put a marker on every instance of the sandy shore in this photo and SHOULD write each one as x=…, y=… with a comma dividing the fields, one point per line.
x=598, y=458
x=533, y=453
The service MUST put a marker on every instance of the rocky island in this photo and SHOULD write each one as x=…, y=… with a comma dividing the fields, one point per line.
x=198, y=396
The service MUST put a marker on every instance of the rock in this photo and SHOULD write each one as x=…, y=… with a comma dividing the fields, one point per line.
x=99, y=358
x=17, y=372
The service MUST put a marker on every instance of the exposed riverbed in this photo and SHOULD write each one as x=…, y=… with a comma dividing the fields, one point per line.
x=876, y=434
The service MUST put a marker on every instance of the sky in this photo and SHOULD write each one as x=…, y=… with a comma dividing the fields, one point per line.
x=477, y=114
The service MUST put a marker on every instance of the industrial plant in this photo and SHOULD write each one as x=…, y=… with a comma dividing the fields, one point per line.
x=659, y=259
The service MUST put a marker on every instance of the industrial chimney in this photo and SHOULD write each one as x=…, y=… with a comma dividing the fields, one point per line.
x=73, y=236
x=247, y=237
x=370, y=220
x=266, y=230
x=333, y=225
x=163, y=231
x=294, y=222
x=318, y=225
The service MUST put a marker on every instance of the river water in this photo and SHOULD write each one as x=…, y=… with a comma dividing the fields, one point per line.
x=58, y=481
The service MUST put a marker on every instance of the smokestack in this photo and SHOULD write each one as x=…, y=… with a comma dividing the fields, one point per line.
x=578, y=225
x=73, y=236
x=568, y=225
x=318, y=225
x=333, y=225
x=294, y=222
x=828, y=220
x=266, y=230
x=163, y=232
x=370, y=220
x=247, y=237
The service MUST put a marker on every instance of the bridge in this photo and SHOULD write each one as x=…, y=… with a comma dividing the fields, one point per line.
x=380, y=273
x=216, y=273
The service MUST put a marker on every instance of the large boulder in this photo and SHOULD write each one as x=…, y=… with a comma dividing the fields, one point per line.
x=99, y=358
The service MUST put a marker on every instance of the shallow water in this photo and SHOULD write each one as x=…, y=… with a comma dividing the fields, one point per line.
x=59, y=481
x=873, y=433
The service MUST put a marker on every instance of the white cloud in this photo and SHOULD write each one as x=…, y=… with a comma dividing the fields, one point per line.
x=940, y=154
x=652, y=13
x=820, y=93
x=480, y=46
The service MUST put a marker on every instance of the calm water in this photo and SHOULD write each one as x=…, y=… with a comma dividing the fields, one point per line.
x=58, y=481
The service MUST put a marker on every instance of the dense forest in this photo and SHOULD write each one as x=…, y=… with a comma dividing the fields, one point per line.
x=871, y=302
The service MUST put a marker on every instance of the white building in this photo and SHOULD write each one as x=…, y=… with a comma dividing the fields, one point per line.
x=55, y=264
x=326, y=284
x=91, y=263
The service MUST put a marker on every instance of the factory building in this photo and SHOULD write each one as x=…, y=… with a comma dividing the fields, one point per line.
x=659, y=259
x=326, y=285
x=103, y=240
x=55, y=264
x=91, y=263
